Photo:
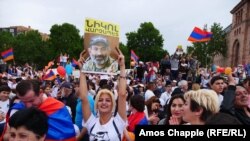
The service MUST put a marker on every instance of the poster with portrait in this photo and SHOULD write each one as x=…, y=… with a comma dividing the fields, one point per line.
x=100, y=41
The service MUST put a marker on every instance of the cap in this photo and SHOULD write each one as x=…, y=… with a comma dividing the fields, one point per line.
x=67, y=85
x=99, y=39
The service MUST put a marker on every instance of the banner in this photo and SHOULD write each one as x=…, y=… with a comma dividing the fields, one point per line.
x=192, y=132
x=100, y=40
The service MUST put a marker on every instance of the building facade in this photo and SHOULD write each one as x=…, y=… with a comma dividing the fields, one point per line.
x=16, y=30
x=238, y=37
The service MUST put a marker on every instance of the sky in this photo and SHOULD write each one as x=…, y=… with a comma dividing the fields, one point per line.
x=175, y=19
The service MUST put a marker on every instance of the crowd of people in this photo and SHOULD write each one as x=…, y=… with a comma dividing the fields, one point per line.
x=108, y=107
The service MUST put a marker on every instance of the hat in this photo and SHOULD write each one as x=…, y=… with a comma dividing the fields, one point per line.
x=67, y=85
x=99, y=39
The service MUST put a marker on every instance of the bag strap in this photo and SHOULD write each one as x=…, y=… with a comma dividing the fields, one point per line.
x=92, y=128
x=116, y=129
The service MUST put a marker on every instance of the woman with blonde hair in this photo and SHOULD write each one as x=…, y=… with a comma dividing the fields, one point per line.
x=107, y=125
x=200, y=105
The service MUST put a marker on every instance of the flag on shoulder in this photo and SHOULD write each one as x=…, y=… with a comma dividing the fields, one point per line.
x=8, y=55
x=199, y=35
x=134, y=56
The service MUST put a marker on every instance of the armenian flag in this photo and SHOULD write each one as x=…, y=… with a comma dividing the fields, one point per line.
x=138, y=118
x=134, y=56
x=7, y=55
x=49, y=76
x=61, y=127
x=199, y=35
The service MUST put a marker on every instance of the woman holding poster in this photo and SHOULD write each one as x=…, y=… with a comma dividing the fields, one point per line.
x=107, y=126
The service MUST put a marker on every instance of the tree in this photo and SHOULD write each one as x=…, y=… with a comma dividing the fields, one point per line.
x=206, y=51
x=126, y=54
x=6, y=40
x=147, y=42
x=65, y=38
x=29, y=48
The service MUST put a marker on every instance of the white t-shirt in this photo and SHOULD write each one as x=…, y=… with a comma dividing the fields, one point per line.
x=107, y=131
x=64, y=59
x=4, y=107
x=54, y=91
x=149, y=94
x=220, y=97
x=165, y=97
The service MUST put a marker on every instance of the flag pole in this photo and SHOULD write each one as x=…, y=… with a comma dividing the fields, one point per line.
x=14, y=58
x=205, y=29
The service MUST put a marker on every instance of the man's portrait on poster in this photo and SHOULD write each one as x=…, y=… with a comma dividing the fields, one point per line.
x=99, y=59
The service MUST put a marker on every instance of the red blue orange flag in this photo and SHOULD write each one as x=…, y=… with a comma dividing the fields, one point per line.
x=61, y=127
x=49, y=76
x=7, y=55
x=199, y=35
x=134, y=56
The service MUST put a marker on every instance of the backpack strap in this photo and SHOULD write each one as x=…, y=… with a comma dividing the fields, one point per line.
x=116, y=129
x=91, y=129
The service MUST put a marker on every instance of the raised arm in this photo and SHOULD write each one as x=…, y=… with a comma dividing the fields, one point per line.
x=84, y=92
x=122, y=87
x=227, y=105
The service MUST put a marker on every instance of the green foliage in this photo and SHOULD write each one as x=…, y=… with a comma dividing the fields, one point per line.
x=6, y=40
x=147, y=42
x=29, y=48
x=206, y=51
x=126, y=54
x=65, y=38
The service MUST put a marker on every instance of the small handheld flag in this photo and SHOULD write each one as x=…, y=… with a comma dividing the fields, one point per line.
x=134, y=56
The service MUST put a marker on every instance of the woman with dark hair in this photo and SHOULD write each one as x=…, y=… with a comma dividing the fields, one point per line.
x=153, y=109
x=174, y=111
x=137, y=115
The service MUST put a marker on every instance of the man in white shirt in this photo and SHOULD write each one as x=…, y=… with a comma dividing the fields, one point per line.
x=167, y=94
x=149, y=93
x=217, y=84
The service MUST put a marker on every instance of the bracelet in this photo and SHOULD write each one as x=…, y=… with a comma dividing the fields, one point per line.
x=124, y=77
